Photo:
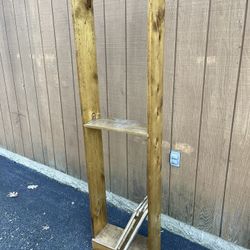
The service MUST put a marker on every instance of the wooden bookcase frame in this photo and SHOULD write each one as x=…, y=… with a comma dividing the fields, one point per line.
x=105, y=235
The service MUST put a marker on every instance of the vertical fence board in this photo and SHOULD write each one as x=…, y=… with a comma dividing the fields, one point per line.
x=136, y=94
x=28, y=78
x=66, y=85
x=40, y=80
x=48, y=41
x=236, y=215
x=116, y=80
x=2, y=129
x=20, y=88
x=6, y=116
x=224, y=46
x=8, y=85
x=169, y=71
x=190, y=57
x=81, y=148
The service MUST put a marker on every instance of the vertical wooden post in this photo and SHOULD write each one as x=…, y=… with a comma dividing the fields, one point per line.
x=156, y=13
x=83, y=19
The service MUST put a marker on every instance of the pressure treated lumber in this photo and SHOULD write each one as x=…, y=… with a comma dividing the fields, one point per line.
x=156, y=13
x=109, y=236
x=119, y=125
x=88, y=83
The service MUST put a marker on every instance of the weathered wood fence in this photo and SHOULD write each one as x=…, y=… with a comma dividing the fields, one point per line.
x=206, y=100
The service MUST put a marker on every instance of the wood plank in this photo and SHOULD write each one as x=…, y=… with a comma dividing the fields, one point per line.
x=3, y=142
x=88, y=85
x=223, y=55
x=6, y=116
x=99, y=19
x=81, y=149
x=188, y=87
x=66, y=86
x=116, y=80
x=236, y=215
x=119, y=125
x=109, y=236
x=36, y=46
x=18, y=79
x=156, y=14
x=28, y=78
x=10, y=87
x=51, y=69
x=169, y=70
x=136, y=30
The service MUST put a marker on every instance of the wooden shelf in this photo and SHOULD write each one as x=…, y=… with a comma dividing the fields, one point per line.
x=119, y=125
x=109, y=236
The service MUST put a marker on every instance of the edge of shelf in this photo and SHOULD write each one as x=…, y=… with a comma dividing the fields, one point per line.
x=118, y=125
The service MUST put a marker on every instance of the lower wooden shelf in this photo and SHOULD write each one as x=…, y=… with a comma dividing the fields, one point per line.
x=109, y=236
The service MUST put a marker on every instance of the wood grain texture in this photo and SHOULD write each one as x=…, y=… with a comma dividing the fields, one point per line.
x=156, y=15
x=189, y=72
x=121, y=62
x=81, y=149
x=51, y=69
x=116, y=80
x=2, y=129
x=236, y=214
x=7, y=127
x=223, y=55
x=88, y=85
x=37, y=55
x=168, y=86
x=18, y=78
x=136, y=38
x=66, y=85
x=118, y=125
x=109, y=236
x=99, y=19
x=29, y=79
x=8, y=85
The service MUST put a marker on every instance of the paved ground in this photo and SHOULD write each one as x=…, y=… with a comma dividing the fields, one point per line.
x=52, y=215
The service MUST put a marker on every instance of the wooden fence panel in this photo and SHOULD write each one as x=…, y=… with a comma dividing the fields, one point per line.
x=236, y=214
x=116, y=80
x=7, y=129
x=8, y=87
x=51, y=69
x=17, y=71
x=223, y=55
x=33, y=23
x=2, y=129
x=168, y=88
x=66, y=85
x=189, y=74
x=136, y=54
x=28, y=79
x=81, y=148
